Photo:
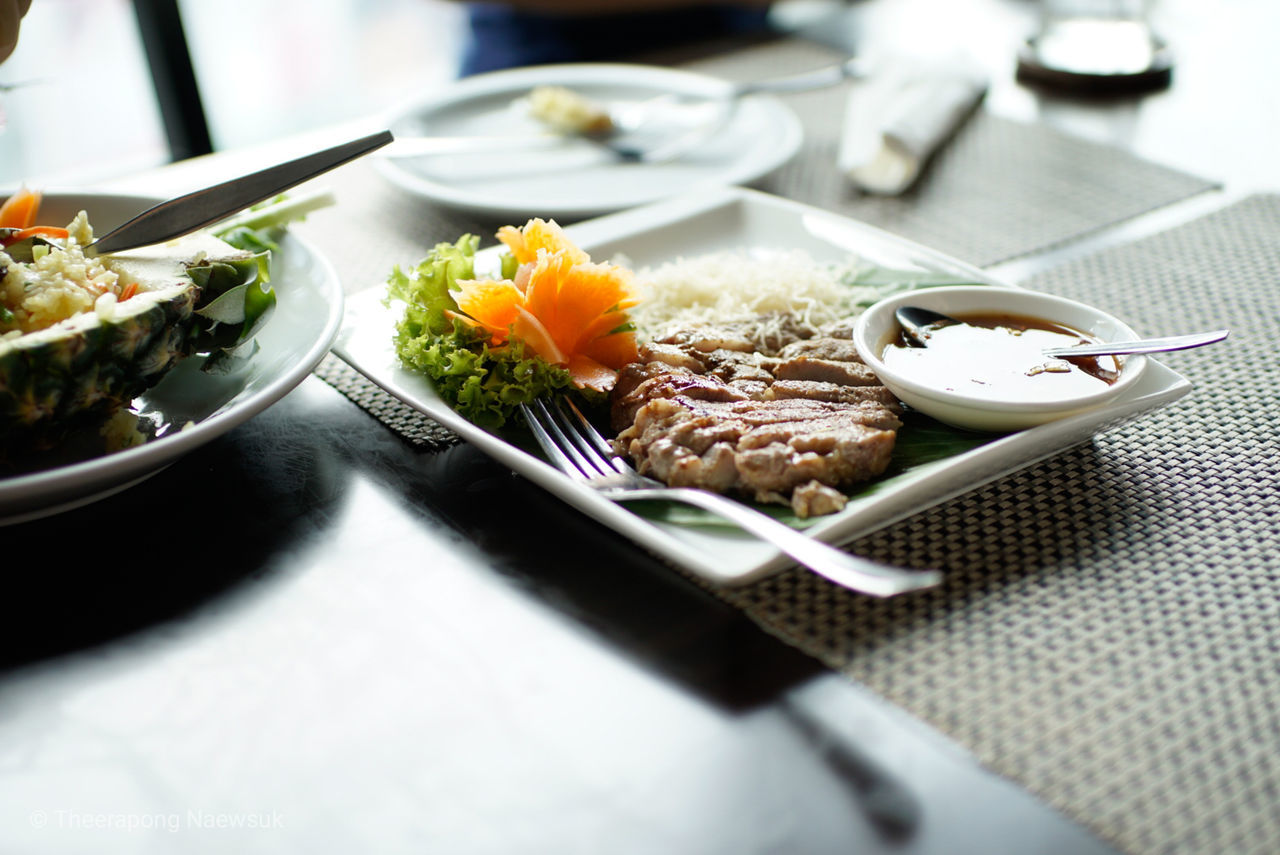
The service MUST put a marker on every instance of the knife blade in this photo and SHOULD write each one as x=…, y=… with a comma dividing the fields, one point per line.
x=193, y=211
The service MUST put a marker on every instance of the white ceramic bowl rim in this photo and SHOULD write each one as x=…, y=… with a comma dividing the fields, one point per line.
x=874, y=324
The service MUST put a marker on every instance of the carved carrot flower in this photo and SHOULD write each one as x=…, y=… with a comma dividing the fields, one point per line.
x=535, y=235
x=567, y=310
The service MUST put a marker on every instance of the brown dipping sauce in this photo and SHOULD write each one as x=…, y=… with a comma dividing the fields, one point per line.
x=999, y=356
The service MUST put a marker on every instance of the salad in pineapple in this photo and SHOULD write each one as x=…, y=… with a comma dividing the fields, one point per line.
x=82, y=335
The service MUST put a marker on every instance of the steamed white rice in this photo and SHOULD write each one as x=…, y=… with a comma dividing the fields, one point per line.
x=738, y=284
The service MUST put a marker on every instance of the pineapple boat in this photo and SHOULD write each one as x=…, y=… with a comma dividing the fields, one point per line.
x=81, y=336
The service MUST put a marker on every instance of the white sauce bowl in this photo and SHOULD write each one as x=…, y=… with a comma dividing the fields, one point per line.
x=877, y=328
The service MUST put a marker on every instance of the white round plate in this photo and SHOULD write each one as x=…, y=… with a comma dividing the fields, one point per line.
x=305, y=322
x=578, y=180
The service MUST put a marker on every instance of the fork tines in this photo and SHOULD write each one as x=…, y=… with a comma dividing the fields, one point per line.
x=569, y=439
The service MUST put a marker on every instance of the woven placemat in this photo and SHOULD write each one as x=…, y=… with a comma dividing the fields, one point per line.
x=999, y=189
x=409, y=424
x=1108, y=635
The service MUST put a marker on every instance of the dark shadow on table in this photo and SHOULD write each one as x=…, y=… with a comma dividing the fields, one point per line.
x=597, y=579
x=892, y=809
x=202, y=529
x=640, y=607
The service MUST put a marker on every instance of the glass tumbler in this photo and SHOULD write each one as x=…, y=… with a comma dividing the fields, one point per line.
x=1095, y=45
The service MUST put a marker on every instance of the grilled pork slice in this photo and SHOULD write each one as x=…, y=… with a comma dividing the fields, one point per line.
x=826, y=371
x=790, y=425
x=823, y=347
x=641, y=382
x=763, y=449
x=818, y=390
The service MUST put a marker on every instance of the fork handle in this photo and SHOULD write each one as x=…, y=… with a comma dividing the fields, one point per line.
x=845, y=569
x=826, y=76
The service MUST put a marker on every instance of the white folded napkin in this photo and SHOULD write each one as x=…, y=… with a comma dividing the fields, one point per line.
x=898, y=117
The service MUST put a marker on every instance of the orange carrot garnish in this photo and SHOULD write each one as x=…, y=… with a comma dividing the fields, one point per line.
x=20, y=210
x=525, y=242
x=33, y=231
x=566, y=309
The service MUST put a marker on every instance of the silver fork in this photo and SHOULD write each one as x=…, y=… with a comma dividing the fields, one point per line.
x=578, y=450
x=637, y=137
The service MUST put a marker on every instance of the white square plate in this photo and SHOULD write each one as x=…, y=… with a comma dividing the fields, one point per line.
x=727, y=219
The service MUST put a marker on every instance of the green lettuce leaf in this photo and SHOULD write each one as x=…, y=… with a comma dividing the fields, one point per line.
x=236, y=300
x=425, y=289
x=484, y=384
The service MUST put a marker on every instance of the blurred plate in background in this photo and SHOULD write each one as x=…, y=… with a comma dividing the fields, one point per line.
x=578, y=179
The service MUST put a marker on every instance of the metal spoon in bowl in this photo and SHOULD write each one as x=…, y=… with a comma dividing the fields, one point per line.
x=918, y=323
x=1145, y=345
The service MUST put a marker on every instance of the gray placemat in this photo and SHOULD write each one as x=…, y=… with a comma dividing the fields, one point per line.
x=997, y=190
x=1108, y=635
x=409, y=424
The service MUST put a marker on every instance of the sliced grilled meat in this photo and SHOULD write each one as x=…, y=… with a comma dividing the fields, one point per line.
x=639, y=383
x=790, y=424
x=764, y=449
x=826, y=371
x=837, y=349
x=819, y=391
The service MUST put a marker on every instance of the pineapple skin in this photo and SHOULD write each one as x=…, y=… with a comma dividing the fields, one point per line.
x=82, y=377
